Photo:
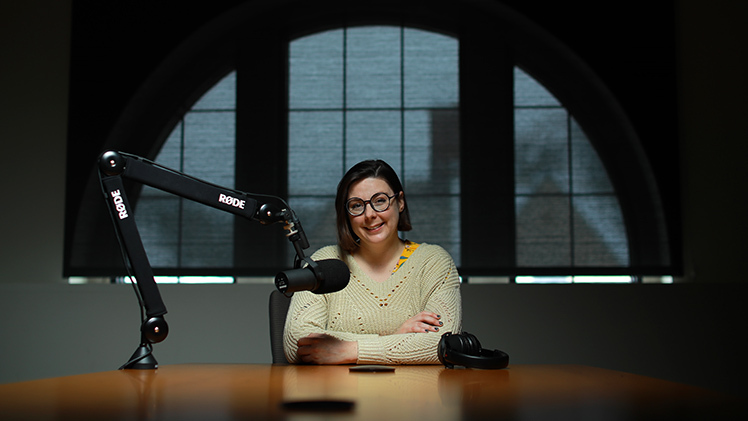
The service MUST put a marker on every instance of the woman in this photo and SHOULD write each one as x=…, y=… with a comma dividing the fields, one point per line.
x=401, y=295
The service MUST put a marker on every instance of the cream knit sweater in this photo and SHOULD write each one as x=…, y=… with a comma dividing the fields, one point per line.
x=370, y=312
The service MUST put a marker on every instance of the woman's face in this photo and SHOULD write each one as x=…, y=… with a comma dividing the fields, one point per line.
x=374, y=227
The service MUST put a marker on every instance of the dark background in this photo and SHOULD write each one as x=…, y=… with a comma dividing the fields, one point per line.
x=116, y=48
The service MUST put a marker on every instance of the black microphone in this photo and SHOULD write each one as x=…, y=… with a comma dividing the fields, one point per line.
x=322, y=277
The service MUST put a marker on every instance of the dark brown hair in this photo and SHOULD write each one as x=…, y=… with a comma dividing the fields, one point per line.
x=347, y=240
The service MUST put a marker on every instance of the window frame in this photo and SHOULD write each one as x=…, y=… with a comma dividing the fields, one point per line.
x=485, y=74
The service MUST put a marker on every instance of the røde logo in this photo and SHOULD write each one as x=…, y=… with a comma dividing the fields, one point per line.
x=119, y=204
x=231, y=201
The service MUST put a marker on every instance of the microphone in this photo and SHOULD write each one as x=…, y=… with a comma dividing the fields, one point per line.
x=323, y=277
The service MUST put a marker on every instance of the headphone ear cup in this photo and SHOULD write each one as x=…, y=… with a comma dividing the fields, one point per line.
x=444, y=348
x=471, y=344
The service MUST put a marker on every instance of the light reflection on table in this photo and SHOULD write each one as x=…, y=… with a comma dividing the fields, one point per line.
x=258, y=391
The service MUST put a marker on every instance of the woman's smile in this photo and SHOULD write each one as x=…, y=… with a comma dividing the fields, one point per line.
x=376, y=227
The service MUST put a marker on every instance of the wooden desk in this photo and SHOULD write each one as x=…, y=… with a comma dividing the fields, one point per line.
x=426, y=393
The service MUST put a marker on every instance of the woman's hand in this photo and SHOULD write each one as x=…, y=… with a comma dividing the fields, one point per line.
x=424, y=321
x=319, y=348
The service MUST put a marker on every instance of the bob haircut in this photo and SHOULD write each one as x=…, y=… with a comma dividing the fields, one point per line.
x=347, y=240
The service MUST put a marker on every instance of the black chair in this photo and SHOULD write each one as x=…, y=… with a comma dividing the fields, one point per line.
x=278, y=307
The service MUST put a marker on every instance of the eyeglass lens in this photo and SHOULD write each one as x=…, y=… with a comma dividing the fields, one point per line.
x=380, y=202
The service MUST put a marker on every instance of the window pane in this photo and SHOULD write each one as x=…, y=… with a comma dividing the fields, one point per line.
x=599, y=232
x=374, y=135
x=373, y=67
x=209, y=147
x=317, y=215
x=430, y=69
x=315, y=142
x=316, y=71
x=544, y=279
x=588, y=173
x=543, y=231
x=206, y=280
x=222, y=96
x=603, y=280
x=436, y=220
x=432, y=152
x=171, y=152
x=157, y=212
x=541, y=151
x=207, y=236
x=157, y=216
x=528, y=92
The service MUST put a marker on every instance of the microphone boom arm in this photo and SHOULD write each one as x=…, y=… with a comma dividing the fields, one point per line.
x=114, y=166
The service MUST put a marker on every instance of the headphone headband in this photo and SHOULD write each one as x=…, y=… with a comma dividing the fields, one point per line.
x=464, y=349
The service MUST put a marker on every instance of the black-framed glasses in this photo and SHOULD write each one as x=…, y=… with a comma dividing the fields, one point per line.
x=380, y=202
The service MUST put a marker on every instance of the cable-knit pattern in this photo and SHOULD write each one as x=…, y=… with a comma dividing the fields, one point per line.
x=370, y=312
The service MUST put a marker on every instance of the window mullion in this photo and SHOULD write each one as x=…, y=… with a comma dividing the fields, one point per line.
x=261, y=147
x=486, y=133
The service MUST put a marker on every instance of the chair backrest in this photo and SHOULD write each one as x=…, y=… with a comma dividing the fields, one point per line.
x=278, y=308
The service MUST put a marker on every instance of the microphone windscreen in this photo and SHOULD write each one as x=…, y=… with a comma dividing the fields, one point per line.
x=335, y=275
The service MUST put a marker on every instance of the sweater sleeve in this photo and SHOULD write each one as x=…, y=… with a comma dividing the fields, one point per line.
x=308, y=313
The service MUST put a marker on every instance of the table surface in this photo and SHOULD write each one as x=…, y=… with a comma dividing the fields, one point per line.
x=290, y=392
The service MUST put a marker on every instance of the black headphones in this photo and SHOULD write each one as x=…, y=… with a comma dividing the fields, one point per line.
x=464, y=349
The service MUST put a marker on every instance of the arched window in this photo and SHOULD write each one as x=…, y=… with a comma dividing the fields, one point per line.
x=514, y=156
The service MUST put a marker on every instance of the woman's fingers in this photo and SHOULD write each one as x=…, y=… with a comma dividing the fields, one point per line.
x=424, y=321
x=431, y=319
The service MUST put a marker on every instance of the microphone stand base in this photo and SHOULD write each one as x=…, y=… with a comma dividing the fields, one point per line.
x=142, y=359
